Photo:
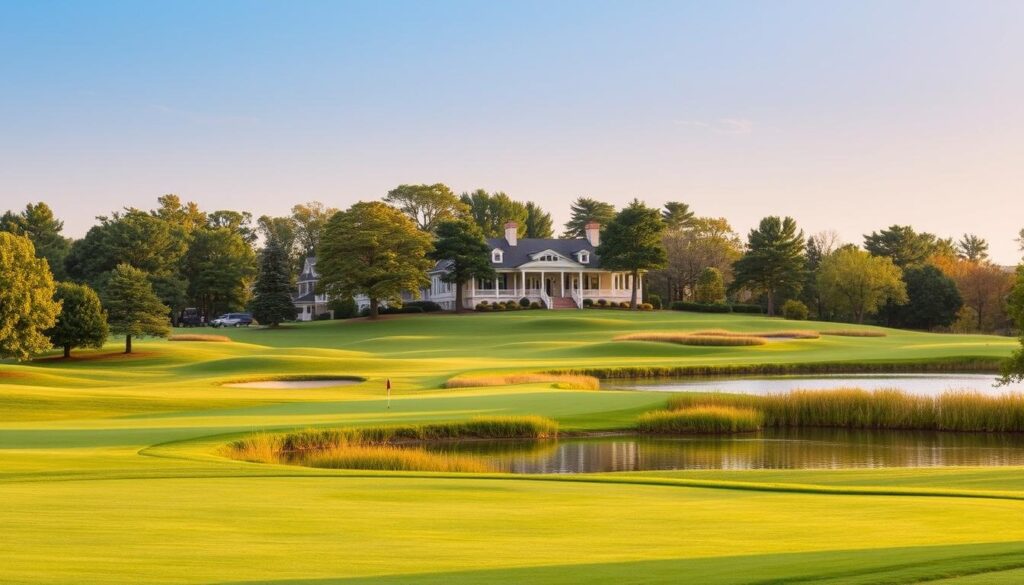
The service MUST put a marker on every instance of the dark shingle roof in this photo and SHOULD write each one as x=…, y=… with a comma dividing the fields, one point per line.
x=306, y=298
x=513, y=256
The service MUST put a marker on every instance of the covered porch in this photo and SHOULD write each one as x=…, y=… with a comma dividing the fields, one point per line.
x=555, y=288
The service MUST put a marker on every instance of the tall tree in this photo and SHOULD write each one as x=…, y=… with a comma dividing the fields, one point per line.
x=39, y=225
x=857, y=284
x=310, y=222
x=585, y=210
x=984, y=287
x=932, y=299
x=677, y=215
x=538, y=222
x=133, y=309
x=461, y=244
x=773, y=263
x=375, y=250
x=272, y=300
x=706, y=243
x=220, y=265
x=904, y=245
x=186, y=215
x=491, y=211
x=1013, y=368
x=632, y=241
x=819, y=246
x=426, y=205
x=27, y=308
x=972, y=248
x=82, y=322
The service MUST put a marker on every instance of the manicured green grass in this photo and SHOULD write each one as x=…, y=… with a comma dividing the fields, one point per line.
x=111, y=470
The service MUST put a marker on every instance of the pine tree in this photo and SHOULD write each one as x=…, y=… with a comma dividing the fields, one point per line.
x=82, y=322
x=632, y=241
x=133, y=308
x=585, y=210
x=461, y=242
x=272, y=300
x=538, y=222
x=774, y=261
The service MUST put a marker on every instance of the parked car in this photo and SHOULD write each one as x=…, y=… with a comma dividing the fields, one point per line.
x=190, y=317
x=233, y=320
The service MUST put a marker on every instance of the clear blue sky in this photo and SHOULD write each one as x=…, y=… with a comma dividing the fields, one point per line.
x=850, y=116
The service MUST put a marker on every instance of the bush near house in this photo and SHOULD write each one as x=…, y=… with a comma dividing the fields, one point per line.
x=701, y=307
x=794, y=310
x=746, y=308
x=654, y=300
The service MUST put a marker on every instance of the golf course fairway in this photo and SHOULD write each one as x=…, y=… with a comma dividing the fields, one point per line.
x=111, y=469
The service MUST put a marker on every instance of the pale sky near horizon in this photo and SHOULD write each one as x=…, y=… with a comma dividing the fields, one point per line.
x=849, y=116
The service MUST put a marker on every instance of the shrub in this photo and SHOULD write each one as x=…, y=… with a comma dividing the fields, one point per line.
x=602, y=303
x=701, y=419
x=646, y=307
x=511, y=305
x=535, y=305
x=427, y=306
x=588, y=303
x=323, y=317
x=794, y=310
x=654, y=300
x=625, y=305
x=541, y=305
x=701, y=307
x=344, y=308
x=524, y=303
x=404, y=309
x=747, y=308
x=498, y=307
x=483, y=307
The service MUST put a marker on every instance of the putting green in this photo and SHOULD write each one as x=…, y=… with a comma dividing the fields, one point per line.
x=108, y=471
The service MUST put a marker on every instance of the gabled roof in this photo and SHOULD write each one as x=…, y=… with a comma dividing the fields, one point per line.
x=514, y=256
x=308, y=270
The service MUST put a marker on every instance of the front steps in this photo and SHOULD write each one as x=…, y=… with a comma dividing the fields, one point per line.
x=563, y=303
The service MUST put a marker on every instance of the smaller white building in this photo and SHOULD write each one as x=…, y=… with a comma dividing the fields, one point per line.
x=308, y=304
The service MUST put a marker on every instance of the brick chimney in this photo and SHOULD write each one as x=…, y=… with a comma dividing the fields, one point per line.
x=512, y=233
x=593, y=230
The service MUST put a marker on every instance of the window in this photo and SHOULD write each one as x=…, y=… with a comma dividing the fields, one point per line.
x=497, y=256
x=584, y=257
x=548, y=258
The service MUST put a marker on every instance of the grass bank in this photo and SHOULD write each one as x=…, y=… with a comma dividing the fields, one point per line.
x=701, y=420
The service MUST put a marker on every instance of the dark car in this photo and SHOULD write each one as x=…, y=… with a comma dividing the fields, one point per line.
x=190, y=317
x=233, y=320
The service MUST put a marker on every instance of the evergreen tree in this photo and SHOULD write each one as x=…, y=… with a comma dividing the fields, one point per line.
x=27, y=308
x=133, y=309
x=375, y=250
x=461, y=243
x=272, y=300
x=632, y=241
x=932, y=299
x=538, y=222
x=677, y=215
x=774, y=261
x=82, y=322
x=972, y=248
x=905, y=246
x=39, y=225
x=220, y=265
x=585, y=210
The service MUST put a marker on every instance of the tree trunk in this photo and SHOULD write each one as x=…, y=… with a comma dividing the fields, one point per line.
x=636, y=281
x=374, y=308
x=127, y=343
x=771, y=304
x=458, y=298
x=67, y=350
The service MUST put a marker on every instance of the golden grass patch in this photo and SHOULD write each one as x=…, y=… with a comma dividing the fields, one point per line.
x=199, y=337
x=562, y=381
x=693, y=339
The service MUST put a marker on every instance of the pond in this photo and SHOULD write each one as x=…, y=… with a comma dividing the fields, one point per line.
x=770, y=449
x=927, y=384
x=292, y=384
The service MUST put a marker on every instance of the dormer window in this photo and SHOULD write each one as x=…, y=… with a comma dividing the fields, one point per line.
x=584, y=257
x=548, y=258
x=497, y=256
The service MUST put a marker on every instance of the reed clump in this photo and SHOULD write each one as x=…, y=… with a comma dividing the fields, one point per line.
x=389, y=458
x=964, y=411
x=783, y=334
x=700, y=420
x=562, y=381
x=199, y=337
x=854, y=333
x=694, y=339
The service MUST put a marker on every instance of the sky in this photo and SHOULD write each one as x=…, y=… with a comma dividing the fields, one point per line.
x=850, y=116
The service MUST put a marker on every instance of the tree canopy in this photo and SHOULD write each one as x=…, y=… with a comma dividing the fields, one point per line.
x=133, y=309
x=932, y=299
x=585, y=210
x=491, y=211
x=857, y=284
x=710, y=286
x=632, y=241
x=27, y=307
x=220, y=265
x=904, y=245
x=773, y=263
x=677, y=215
x=310, y=220
x=375, y=250
x=972, y=248
x=538, y=222
x=272, y=301
x=426, y=205
x=462, y=244
x=1013, y=369
x=39, y=225
x=82, y=322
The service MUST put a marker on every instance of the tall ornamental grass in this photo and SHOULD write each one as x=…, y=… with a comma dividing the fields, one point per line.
x=563, y=381
x=388, y=458
x=694, y=339
x=700, y=419
x=854, y=408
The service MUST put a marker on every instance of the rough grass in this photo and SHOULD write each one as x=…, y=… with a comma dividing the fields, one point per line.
x=784, y=334
x=198, y=337
x=389, y=458
x=563, y=381
x=963, y=411
x=694, y=339
x=854, y=333
x=700, y=419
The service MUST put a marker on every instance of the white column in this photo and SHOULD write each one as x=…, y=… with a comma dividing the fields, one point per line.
x=542, y=287
x=579, y=288
x=561, y=282
x=496, y=275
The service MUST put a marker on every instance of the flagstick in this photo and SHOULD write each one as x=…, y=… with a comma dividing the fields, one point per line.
x=389, y=393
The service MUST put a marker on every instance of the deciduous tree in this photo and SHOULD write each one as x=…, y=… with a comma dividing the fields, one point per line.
x=538, y=222
x=710, y=286
x=858, y=284
x=706, y=243
x=491, y=211
x=773, y=263
x=310, y=222
x=426, y=205
x=632, y=241
x=39, y=225
x=461, y=243
x=375, y=250
x=1013, y=369
x=27, y=307
x=133, y=309
x=220, y=265
x=932, y=299
x=82, y=322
